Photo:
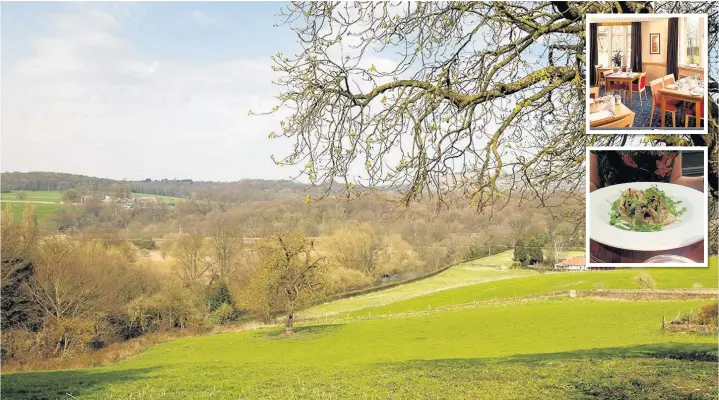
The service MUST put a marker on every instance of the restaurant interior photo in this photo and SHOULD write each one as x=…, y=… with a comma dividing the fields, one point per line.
x=646, y=72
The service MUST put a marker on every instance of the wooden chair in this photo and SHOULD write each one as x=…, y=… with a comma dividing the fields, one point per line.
x=641, y=86
x=593, y=92
x=626, y=122
x=671, y=107
x=605, y=81
x=690, y=112
x=619, y=87
x=668, y=79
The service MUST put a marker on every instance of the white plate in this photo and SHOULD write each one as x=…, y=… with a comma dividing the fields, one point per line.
x=689, y=229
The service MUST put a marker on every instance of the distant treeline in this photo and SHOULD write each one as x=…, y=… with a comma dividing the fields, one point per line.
x=231, y=192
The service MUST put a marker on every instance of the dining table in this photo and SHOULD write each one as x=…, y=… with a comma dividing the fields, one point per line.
x=682, y=92
x=625, y=78
x=600, y=253
x=618, y=112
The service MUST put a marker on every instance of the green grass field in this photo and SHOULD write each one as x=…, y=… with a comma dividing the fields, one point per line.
x=162, y=199
x=53, y=197
x=549, y=349
x=43, y=210
x=666, y=278
x=505, y=258
x=40, y=200
x=461, y=275
x=44, y=202
x=469, y=273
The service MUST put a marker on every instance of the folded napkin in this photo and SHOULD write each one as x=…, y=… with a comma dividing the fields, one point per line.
x=672, y=87
x=591, y=101
x=599, y=115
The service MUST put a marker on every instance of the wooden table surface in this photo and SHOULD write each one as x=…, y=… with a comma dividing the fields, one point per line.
x=620, y=111
x=676, y=94
x=601, y=253
x=625, y=79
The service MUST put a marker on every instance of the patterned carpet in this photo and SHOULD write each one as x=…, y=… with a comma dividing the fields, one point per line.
x=641, y=117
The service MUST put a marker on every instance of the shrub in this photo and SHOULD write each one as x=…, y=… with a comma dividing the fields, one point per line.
x=173, y=307
x=144, y=243
x=219, y=297
x=345, y=279
x=644, y=281
x=65, y=336
x=17, y=343
x=707, y=315
x=222, y=315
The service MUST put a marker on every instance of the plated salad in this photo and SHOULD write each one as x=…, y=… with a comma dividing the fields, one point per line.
x=644, y=210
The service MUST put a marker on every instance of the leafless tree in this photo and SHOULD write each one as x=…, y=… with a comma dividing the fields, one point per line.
x=485, y=99
x=192, y=259
x=226, y=246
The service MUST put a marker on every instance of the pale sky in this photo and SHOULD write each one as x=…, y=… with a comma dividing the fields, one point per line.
x=141, y=90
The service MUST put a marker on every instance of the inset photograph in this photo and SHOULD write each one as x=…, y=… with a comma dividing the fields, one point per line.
x=646, y=72
x=647, y=206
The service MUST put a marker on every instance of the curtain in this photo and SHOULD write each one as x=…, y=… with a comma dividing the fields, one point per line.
x=636, y=63
x=594, y=54
x=673, y=48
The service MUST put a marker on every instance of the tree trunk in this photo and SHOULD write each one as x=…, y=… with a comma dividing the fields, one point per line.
x=290, y=324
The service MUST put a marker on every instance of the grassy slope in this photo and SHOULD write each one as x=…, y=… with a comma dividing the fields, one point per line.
x=469, y=273
x=464, y=279
x=505, y=258
x=461, y=275
x=568, y=348
x=616, y=279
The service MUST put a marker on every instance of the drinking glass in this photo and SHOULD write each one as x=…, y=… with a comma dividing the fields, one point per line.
x=609, y=103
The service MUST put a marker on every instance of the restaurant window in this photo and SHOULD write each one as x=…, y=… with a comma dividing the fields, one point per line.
x=603, y=44
x=615, y=43
x=692, y=41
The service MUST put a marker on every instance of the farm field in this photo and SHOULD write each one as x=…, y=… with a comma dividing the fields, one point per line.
x=163, y=199
x=43, y=210
x=464, y=280
x=505, y=258
x=666, y=278
x=460, y=275
x=465, y=274
x=556, y=348
x=46, y=202
x=30, y=196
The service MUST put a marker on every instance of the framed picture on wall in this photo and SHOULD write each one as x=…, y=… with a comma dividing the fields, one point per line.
x=653, y=43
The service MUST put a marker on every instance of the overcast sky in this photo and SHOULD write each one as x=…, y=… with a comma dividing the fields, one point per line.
x=143, y=90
